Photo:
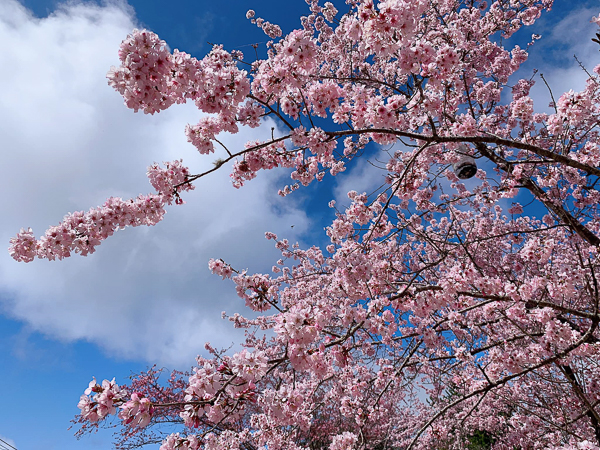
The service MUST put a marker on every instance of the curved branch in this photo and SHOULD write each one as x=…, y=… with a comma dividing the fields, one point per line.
x=491, y=139
x=505, y=380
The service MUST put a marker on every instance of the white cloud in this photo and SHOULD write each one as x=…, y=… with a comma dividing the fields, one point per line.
x=553, y=56
x=67, y=144
x=365, y=176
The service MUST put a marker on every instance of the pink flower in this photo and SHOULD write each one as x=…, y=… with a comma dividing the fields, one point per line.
x=137, y=411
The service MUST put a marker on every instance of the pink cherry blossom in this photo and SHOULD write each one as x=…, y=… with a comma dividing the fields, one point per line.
x=443, y=309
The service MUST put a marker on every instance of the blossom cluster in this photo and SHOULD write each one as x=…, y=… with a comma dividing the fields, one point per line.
x=150, y=78
x=101, y=400
x=81, y=232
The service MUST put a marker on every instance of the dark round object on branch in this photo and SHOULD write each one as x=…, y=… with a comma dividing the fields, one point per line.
x=465, y=170
x=465, y=167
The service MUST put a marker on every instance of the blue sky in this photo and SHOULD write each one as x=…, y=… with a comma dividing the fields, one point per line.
x=146, y=296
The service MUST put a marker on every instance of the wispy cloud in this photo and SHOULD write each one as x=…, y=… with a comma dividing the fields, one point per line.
x=366, y=175
x=7, y=443
x=555, y=56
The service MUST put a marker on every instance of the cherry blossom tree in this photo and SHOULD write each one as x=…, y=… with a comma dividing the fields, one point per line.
x=443, y=314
